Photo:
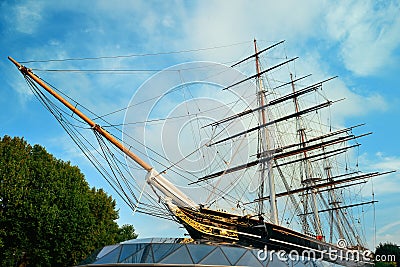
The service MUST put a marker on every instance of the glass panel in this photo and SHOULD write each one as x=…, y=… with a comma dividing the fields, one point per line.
x=128, y=250
x=233, y=253
x=216, y=257
x=134, y=258
x=111, y=257
x=198, y=252
x=179, y=256
x=249, y=259
x=316, y=263
x=276, y=262
x=163, y=250
x=262, y=255
x=106, y=250
x=299, y=263
x=147, y=256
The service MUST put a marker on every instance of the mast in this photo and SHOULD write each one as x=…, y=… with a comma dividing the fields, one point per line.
x=333, y=201
x=153, y=178
x=265, y=146
x=307, y=168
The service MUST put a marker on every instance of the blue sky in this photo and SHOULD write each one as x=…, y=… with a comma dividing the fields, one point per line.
x=357, y=40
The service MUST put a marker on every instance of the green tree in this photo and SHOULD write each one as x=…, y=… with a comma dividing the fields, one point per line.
x=126, y=232
x=387, y=255
x=49, y=216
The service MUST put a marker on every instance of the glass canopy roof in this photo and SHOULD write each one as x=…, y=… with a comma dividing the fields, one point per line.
x=181, y=251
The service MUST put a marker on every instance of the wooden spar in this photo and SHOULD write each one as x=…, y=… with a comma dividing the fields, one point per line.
x=280, y=156
x=297, y=93
x=300, y=92
x=257, y=53
x=302, y=112
x=280, y=149
x=323, y=136
x=342, y=207
x=91, y=123
x=220, y=173
x=342, y=150
x=320, y=145
x=293, y=81
x=338, y=187
x=264, y=71
x=343, y=175
x=326, y=184
x=153, y=177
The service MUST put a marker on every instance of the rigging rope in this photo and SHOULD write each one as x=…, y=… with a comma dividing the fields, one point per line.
x=118, y=173
x=136, y=55
x=111, y=178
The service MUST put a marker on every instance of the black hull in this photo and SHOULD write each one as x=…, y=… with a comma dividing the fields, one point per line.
x=213, y=226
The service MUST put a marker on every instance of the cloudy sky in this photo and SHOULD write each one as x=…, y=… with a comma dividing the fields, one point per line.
x=357, y=40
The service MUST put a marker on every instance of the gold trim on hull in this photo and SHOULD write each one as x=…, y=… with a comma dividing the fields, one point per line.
x=206, y=229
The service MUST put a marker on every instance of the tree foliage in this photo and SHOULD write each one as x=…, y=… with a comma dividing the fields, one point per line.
x=387, y=255
x=126, y=232
x=49, y=216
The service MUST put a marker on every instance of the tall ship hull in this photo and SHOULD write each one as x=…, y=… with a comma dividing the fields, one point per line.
x=210, y=226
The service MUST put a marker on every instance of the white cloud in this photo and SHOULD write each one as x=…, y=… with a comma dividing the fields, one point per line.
x=386, y=184
x=387, y=227
x=368, y=33
x=168, y=21
x=386, y=162
x=227, y=22
x=26, y=16
x=390, y=232
x=353, y=104
x=305, y=29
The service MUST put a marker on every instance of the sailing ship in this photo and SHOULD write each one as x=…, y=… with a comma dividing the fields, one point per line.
x=305, y=165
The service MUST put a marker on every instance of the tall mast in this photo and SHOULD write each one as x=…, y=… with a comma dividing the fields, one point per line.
x=335, y=203
x=153, y=177
x=309, y=180
x=265, y=146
